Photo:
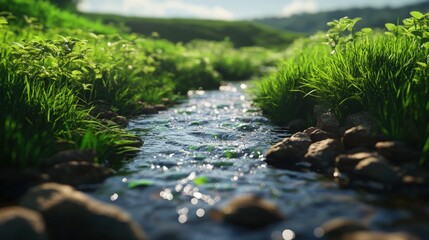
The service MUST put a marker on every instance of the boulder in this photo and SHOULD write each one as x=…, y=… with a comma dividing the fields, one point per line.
x=72, y=155
x=321, y=155
x=397, y=152
x=14, y=182
x=76, y=173
x=346, y=163
x=318, y=110
x=328, y=122
x=19, y=223
x=250, y=211
x=289, y=151
x=358, y=137
x=70, y=214
x=376, y=169
x=317, y=134
x=338, y=227
x=368, y=235
x=297, y=125
x=360, y=119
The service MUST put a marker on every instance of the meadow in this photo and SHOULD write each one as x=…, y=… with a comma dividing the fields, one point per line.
x=382, y=72
x=61, y=72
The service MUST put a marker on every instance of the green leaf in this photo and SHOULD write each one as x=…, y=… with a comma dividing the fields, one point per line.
x=140, y=183
x=366, y=30
x=201, y=180
x=417, y=14
x=390, y=26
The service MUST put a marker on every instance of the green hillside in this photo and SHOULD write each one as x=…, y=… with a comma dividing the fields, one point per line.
x=240, y=33
x=371, y=17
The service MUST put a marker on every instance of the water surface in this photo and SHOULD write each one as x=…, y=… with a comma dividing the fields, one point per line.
x=202, y=153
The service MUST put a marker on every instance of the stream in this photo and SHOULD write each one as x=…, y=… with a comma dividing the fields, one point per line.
x=209, y=149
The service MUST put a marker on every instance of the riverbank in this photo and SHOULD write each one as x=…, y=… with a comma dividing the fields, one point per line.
x=383, y=73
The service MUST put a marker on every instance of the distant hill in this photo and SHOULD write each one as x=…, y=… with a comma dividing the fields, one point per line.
x=241, y=33
x=371, y=17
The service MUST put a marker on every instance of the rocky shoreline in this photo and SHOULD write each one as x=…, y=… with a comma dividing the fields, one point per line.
x=46, y=203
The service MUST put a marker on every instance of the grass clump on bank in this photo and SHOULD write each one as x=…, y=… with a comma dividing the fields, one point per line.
x=383, y=73
x=63, y=86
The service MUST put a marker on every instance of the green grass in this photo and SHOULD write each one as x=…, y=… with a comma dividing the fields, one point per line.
x=385, y=74
x=57, y=70
x=240, y=33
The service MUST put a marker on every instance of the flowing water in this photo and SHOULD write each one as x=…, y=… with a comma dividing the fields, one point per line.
x=209, y=149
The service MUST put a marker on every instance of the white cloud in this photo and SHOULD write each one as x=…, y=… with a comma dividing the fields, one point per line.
x=156, y=8
x=300, y=6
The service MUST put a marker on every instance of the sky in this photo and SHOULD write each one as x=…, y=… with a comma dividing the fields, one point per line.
x=227, y=9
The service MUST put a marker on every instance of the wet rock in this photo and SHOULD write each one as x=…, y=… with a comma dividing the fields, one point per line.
x=70, y=214
x=317, y=134
x=19, y=223
x=76, y=173
x=72, y=155
x=328, y=122
x=397, y=152
x=367, y=235
x=297, y=125
x=14, y=182
x=289, y=151
x=120, y=120
x=321, y=155
x=318, y=110
x=414, y=175
x=361, y=118
x=346, y=163
x=337, y=228
x=152, y=109
x=376, y=169
x=250, y=211
x=358, y=137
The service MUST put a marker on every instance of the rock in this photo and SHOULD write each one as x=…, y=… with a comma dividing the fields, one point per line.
x=376, y=169
x=19, y=223
x=70, y=214
x=14, y=182
x=72, y=155
x=337, y=228
x=321, y=155
x=297, y=125
x=120, y=120
x=358, y=137
x=317, y=134
x=289, y=151
x=250, y=211
x=397, y=152
x=76, y=173
x=152, y=109
x=361, y=118
x=318, y=110
x=328, y=122
x=346, y=163
x=367, y=235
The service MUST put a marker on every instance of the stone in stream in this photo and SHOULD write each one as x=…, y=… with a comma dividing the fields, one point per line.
x=397, y=152
x=70, y=214
x=346, y=163
x=19, y=223
x=376, y=169
x=361, y=118
x=77, y=173
x=321, y=155
x=338, y=227
x=297, y=125
x=369, y=235
x=328, y=122
x=317, y=134
x=249, y=211
x=72, y=155
x=358, y=137
x=289, y=151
